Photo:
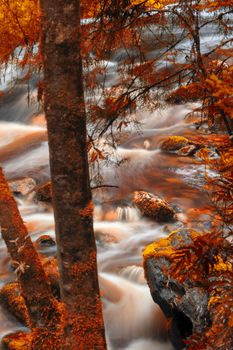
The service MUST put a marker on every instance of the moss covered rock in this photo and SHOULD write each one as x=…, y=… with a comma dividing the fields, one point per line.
x=12, y=300
x=189, y=276
x=153, y=207
x=174, y=143
x=16, y=341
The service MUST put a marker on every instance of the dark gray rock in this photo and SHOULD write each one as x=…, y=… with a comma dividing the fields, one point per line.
x=186, y=304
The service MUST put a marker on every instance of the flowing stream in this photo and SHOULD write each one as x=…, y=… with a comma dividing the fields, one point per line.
x=133, y=321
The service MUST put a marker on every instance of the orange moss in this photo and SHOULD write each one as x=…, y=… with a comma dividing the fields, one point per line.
x=45, y=339
x=17, y=341
x=173, y=143
x=88, y=210
x=207, y=256
x=79, y=269
x=222, y=266
x=83, y=332
x=12, y=300
x=161, y=247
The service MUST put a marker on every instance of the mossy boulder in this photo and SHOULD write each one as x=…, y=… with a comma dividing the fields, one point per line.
x=11, y=297
x=190, y=278
x=44, y=192
x=16, y=341
x=174, y=143
x=153, y=207
x=12, y=300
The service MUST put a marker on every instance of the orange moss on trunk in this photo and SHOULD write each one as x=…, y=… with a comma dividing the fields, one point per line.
x=42, y=307
x=71, y=195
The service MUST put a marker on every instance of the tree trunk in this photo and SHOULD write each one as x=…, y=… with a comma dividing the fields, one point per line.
x=42, y=307
x=73, y=207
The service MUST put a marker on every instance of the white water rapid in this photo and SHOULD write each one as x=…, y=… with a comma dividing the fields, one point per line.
x=133, y=321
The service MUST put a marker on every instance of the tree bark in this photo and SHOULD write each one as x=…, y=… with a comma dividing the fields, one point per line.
x=73, y=207
x=42, y=307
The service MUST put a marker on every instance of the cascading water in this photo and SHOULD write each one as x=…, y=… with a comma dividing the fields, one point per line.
x=132, y=319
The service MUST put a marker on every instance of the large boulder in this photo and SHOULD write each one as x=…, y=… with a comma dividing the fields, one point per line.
x=174, y=143
x=185, y=275
x=153, y=207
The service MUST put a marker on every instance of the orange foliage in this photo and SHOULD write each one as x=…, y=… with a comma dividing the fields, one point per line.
x=221, y=89
x=19, y=27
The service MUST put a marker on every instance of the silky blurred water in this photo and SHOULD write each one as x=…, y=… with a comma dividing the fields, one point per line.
x=133, y=321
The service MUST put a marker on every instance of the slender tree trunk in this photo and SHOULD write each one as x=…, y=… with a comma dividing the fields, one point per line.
x=42, y=307
x=73, y=207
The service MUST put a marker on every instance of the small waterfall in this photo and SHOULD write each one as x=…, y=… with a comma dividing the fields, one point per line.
x=133, y=273
x=127, y=214
x=133, y=321
x=129, y=311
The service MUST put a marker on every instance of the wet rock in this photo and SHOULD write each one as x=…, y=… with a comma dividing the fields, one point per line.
x=153, y=207
x=22, y=186
x=104, y=238
x=174, y=143
x=16, y=341
x=188, y=150
x=44, y=193
x=175, y=299
x=12, y=300
x=185, y=301
x=45, y=241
